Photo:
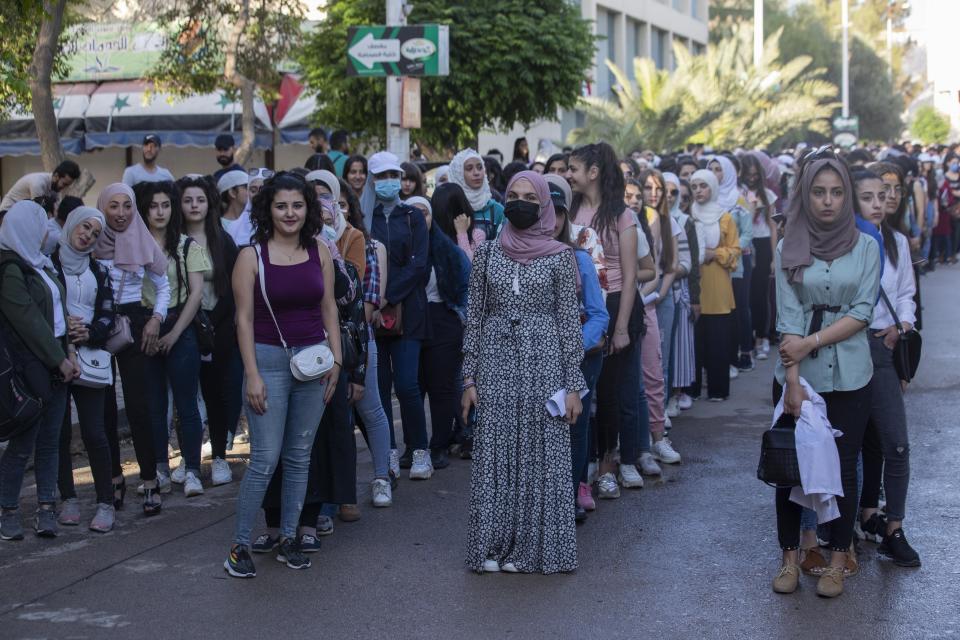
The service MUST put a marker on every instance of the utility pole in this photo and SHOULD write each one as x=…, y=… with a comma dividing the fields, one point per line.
x=845, y=63
x=757, y=32
x=398, y=138
x=890, y=7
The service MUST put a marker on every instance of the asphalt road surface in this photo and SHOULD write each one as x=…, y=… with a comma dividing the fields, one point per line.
x=691, y=556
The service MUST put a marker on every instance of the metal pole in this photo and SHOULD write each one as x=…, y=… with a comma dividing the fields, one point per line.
x=845, y=77
x=890, y=7
x=398, y=138
x=757, y=32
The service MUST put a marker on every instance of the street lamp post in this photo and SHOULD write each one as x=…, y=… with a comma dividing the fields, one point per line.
x=398, y=138
x=845, y=62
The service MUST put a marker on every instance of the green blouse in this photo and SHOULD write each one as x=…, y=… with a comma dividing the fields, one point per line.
x=850, y=282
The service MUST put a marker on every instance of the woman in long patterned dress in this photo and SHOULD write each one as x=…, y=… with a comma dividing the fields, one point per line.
x=522, y=347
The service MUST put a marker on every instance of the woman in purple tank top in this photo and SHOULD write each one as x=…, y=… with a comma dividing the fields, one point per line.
x=283, y=412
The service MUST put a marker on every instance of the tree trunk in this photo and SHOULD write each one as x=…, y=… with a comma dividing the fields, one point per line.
x=41, y=90
x=248, y=122
x=247, y=87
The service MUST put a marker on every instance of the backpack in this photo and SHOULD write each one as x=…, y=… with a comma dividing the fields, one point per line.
x=25, y=383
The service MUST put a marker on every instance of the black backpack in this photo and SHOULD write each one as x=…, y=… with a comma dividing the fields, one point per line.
x=25, y=383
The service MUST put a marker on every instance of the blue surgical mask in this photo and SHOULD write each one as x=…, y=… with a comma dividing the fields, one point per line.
x=387, y=189
x=954, y=166
x=329, y=232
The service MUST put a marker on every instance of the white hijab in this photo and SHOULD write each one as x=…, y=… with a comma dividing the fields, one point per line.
x=729, y=192
x=707, y=216
x=675, y=212
x=76, y=262
x=478, y=197
x=23, y=229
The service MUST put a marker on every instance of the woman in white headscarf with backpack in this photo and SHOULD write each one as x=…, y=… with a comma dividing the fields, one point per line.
x=468, y=171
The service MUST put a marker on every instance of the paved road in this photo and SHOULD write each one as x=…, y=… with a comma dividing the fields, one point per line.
x=691, y=556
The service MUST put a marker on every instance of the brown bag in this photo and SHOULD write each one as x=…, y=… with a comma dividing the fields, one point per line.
x=121, y=335
x=392, y=321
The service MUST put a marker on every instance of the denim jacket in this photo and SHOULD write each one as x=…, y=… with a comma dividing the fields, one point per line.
x=453, y=272
x=591, y=299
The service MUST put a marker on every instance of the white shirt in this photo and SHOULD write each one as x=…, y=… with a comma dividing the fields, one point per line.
x=81, y=295
x=30, y=186
x=137, y=173
x=59, y=321
x=433, y=293
x=133, y=286
x=761, y=228
x=899, y=284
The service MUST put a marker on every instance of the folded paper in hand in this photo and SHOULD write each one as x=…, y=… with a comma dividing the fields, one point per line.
x=557, y=404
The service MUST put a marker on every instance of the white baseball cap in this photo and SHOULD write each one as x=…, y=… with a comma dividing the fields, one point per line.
x=232, y=179
x=383, y=161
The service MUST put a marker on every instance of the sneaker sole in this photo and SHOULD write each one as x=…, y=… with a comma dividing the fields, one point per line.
x=630, y=484
x=68, y=523
x=665, y=461
x=421, y=476
x=382, y=505
x=15, y=537
x=900, y=563
x=46, y=533
x=219, y=483
x=237, y=574
x=324, y=533
x=295, y=567
x=609, y=496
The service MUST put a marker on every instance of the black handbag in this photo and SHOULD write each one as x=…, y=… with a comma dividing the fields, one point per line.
x=203, y=327
x=906, y=355
x=778, y=454
x=353, y=326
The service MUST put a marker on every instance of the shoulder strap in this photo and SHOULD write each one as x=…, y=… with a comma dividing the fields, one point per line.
x=263, y=292
x=893, y=312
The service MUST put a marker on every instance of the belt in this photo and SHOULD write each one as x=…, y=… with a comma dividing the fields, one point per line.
x=817, y=321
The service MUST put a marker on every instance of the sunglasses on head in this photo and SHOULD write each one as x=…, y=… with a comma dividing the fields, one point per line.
x=264, y=174
x=824, y=152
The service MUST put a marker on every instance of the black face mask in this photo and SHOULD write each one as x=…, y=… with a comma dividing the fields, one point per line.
x=522, y=214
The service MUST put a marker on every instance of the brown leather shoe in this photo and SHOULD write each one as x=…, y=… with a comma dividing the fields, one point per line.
x=787, y=579
x=830, y=584
x=349, y=512
x=813, y=562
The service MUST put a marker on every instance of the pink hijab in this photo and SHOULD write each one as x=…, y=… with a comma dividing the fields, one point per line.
x=526, y=245
x=133, y=248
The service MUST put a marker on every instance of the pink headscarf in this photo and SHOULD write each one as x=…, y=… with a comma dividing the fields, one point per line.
x=134, y=247
x=526, y=245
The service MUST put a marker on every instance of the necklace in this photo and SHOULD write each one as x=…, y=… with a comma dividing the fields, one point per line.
x=290, y=256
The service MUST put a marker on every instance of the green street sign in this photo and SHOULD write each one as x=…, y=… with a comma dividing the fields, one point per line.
x=411, y=50
x=846, y=131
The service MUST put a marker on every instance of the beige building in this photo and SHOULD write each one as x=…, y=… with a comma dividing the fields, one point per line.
x=629, y=29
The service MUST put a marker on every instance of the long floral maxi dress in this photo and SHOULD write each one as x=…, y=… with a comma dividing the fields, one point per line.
x=522, y=344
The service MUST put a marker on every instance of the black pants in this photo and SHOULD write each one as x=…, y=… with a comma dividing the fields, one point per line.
x=440, y=360
x=741, y=336
x=110, y=422
x=848, y=412
x=712, y=337
x=140, y=374
x=221, y=382
x=90, y=403
x=760, y=288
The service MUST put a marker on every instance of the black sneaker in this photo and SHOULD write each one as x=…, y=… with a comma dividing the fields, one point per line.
x=265, y=543
x=291, y=555
x=239, y=564
x=466, y=449
x=581, y=515
x=309, y=543
x=406, y=460
x=896, y=547
x=439, y=459
x=875, y=528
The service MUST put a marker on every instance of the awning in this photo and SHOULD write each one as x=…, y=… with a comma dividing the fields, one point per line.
x=18, y=134
x=121, y=113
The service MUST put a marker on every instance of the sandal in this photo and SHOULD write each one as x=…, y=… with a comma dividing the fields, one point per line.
x=119, y=488
x=151, y=501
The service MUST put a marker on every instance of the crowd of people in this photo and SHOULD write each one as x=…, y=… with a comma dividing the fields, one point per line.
x=558, y=314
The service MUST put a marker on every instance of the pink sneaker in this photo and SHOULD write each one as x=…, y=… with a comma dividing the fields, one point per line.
x=585, y=497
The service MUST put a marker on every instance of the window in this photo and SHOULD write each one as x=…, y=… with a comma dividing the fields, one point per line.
x=697, y=48
x=636, y=43
x=658, y=50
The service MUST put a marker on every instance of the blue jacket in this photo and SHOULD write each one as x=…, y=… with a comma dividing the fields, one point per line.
x=408, y=255
x=453, y=271
x=592, y=299
x=489, y=218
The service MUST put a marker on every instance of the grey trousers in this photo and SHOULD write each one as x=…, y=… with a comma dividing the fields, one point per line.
x=886, y=448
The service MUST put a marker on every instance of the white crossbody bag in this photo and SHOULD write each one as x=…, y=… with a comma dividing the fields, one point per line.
x=310, y=362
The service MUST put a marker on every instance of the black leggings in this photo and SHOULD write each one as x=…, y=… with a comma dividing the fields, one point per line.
x=712, y=338
x=760, y=288
x=440, y=360
x=221, y=382
x=848, y=412
x=90, y=403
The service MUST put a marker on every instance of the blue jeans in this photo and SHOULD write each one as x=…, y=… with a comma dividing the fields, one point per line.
x=285, y=431
x=371, y=412
x=580, y=432
x=666, y=315
x=399, y=366
x=181, y=368
x=44, y=435
x=617, y=403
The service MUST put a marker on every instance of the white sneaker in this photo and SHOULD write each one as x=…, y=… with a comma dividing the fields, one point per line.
x=163, y=483
x=765, y=346
x=673, y=407
x=509, y=567
x=395, y=463
x=649, y=466
x=421, y=467
x=734, y=372
x=491, y=566
x=685, y=402
x=761, y=355
x=221, y=472
x=381, y=494
x=667, y=422
x=629, y=477
x=206, y=451
x=179, y=474
x=593, y=472
x=664, y=452
x=607, y=487
x=192, y=486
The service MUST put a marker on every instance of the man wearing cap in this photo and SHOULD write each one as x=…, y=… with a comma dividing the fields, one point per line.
x=402, y=229
x=226, y=147
x=147, y=170
x=234, y=201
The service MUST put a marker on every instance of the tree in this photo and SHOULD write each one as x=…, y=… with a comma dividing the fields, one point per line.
x=237, y=46
x=930, y=126
x=511, y=61
x=720, y=99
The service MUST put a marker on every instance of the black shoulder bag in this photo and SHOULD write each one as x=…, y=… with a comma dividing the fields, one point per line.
x=906, y=355
x=202, y=326
x=778, y=454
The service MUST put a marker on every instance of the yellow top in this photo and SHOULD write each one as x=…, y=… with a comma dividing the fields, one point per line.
x=716, y=290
